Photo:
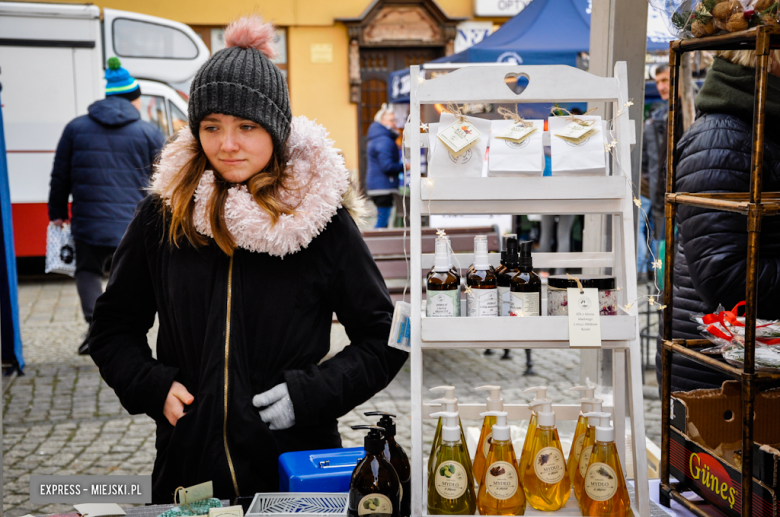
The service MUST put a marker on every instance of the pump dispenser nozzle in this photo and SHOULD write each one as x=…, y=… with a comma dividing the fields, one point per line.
x=449, y=391
x=587, y=396
x=374, y=442
x=494, y=401
x=450, y=431
x=541, y=392
x=448, y=405
x=441, y=260
x=525, y=261
x=604, y=431
x=545, y=416
x=386, y=422
x=481, y=262
x=595, y=407
x=500, y=428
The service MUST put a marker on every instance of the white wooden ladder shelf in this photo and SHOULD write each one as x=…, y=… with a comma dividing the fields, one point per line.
x=537, y=195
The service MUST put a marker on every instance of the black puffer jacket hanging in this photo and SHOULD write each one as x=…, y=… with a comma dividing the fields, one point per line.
x=231, y=328
x=711, y=257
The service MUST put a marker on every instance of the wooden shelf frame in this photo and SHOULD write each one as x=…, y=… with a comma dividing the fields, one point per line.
x=755, y=204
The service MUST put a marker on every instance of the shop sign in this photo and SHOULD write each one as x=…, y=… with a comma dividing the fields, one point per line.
x=499, y=7
x=471, y=33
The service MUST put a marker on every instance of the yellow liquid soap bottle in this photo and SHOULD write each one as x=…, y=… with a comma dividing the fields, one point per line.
x=587, y=449
x=604, y=492
x=545, y=480
x=451, y=485
x=500, y=489
x=541, y=394
x=449, y=403
x=579, y=431
x=494, y=403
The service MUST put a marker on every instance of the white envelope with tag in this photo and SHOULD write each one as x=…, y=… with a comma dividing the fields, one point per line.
x=444, y=163
x=512, y=157
x=586, y=156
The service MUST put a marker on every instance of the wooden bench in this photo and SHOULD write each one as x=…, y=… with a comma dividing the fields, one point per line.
x=387, y=248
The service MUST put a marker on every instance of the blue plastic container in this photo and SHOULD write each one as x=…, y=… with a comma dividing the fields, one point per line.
x=327, y=470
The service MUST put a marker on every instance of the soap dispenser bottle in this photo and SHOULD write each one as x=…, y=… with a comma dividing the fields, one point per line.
x=545, y=480
x=510, y=267
x=398, y=458
x=541, y=394
x=579, y=432
x=526, y=288
x=500, y=488
x=449, y=404
x=451, y=484
x=443, y=284
x=481, y=282
x=587, y=449
x=604, y=492
x=374, y=487
x=494, y=403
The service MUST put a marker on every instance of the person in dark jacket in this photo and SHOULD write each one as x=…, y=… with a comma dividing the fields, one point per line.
x=711, y=256
x=384, y=164
x=245, y=250
x=104, y=159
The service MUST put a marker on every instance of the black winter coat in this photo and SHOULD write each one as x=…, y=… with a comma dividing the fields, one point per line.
x=233, y=328
x=710, y=261
x=105, y=160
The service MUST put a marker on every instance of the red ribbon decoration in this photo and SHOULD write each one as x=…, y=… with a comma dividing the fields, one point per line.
x=731, y=317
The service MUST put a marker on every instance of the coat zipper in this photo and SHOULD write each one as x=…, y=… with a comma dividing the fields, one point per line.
x=227, y=357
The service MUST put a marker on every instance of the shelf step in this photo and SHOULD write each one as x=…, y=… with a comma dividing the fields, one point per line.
x=523, y=188
x=539, y=332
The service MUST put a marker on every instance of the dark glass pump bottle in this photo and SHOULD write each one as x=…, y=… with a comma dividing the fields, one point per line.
x=397, y=457
x=526, y=288
x=374, y=488
x=510, y=266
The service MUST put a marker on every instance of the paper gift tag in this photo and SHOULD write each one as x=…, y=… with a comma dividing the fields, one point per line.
x=584, y=322
x=576, y=131
x=516, y=132
x=459, y=136
x=227, y=511
x=196, y=493
x=99, y=509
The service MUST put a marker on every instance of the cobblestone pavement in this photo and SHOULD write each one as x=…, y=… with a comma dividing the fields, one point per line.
x=61, y=418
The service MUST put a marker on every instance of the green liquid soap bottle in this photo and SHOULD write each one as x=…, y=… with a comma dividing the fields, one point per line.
x=482, y=283
x=449, y=404
x=604, y=492
x=374, y=488
x=398, y=458
x=500, y=488
x=587, y=449
x=443, y=285
x=579, y=431
x=545, y=480
x=526, y=287
x=509, y=268
x=541, y=394
x=494, y=403
x=451, y=485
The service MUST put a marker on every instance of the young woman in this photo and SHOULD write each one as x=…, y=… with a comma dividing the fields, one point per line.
x=244, y=250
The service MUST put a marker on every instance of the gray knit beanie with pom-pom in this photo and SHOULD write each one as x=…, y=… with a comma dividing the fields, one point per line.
x=241, y=80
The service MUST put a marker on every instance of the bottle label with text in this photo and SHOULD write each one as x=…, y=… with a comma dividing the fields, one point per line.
x=585, y=459
x=501, y=480
x=375, y=504
x=451, y=480
x=549, y=465
x=443, y=304
x=601, y=482
x=505, y=301
x=525, y=304
x=487, y=443
x=483, y=302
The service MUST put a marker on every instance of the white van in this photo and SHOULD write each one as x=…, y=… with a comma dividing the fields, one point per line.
x=52, y=61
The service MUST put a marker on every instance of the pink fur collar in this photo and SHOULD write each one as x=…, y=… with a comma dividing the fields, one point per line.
x=317, y=170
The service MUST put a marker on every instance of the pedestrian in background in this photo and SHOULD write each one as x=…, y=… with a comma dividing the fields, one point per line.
x=384, y=164
x=104, y=160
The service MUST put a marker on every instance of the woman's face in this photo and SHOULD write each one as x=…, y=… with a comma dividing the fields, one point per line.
x=237, y=148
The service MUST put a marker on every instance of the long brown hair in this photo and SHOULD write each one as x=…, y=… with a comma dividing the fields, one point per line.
x=264, y=187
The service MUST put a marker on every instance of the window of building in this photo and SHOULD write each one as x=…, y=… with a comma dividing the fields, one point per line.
x=133, y=38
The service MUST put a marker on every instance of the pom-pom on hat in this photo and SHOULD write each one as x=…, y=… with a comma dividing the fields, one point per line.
x=241, y=80
x=119, y=82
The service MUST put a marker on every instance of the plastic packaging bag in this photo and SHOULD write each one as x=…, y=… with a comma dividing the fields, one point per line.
x=60, y=250
x=701, y=18
x=767, y=358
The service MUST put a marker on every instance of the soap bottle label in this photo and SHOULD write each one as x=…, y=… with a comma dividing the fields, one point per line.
x=483, y=302
x=501, y=480
x=451, y=480
x=584, y=460
x=443, y=304
x=486, y=444
x=578, y=445
x=505, y=301
x=601, y=482
x=376, y=504
x=549, y=465
x=525, y=304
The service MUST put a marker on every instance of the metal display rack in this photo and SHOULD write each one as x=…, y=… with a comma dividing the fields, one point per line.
x=755, y=205
x=608, y=194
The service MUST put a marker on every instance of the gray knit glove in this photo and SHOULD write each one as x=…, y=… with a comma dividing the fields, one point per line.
x=278, y=412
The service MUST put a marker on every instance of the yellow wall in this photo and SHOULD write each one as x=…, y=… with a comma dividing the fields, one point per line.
x=321, y=90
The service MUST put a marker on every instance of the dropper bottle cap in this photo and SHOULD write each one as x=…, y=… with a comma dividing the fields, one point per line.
x=595, y=407
x=544, y=416
x=450, y=430
x=500, y=428
x=525, y=261
x=441, y=260
x=374, y=442
x=587, y=396
x=512, y=259
x=481, y=262
x=494, y=401
x=604, y=431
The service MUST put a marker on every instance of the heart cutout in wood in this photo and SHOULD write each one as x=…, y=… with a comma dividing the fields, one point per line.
x=516, y=82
